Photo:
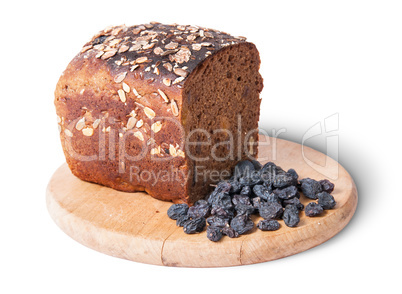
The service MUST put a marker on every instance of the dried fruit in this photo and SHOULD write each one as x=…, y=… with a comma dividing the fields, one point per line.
x=230, y=232
x=270, y=210
x=195, y=225
x=326, y=200
x=268, y=225
x=287, y=193
x=223, y=212
x=327, y=186
x=214, y=233
x=291, y=216
x=295, y=201
x=246, y=190
x=241, y=199
x=200, y=209
x=310, y=188
x=266, y=190
x=283, y=180
x=294, y=174
x=243, y=168
x=242, y=224
x=244, y=209
x=261, y=191
x=182, y=220
x=256, y=202
x=313, y=209
x=218, y=221
x=177, y=210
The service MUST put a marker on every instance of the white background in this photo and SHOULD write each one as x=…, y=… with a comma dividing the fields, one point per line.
x=319, y=58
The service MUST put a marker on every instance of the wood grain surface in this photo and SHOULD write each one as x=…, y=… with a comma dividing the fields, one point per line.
x=135, y=226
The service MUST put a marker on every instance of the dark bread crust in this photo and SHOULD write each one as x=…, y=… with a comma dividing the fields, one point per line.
x=96, y=110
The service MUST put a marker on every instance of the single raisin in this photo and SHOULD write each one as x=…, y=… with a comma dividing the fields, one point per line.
x=257, y=165
x=256, y=202
x=195, y=225
x=221, y=188
x=294, y=175
x=177, y=210
x=242, y=224
x=295, y=201
x=261, y=191
x=310, y=188
x=230, y=232
x=222, y=212
x=272, y=197
x=182, y=220
x=240, y=199
x=244, y=209
x=326, y=200
x=327, y=186
x=235, y=186
x=270, y=210
x=222, y=200
x=268, y=225
x=291, y=216
x=246, y=190
x=243, y=168
x=200, y=209
x=283, y=180
x=313, y=209
x=214, y=233
x=251, y=180
x=218, y=221
x=287, y=193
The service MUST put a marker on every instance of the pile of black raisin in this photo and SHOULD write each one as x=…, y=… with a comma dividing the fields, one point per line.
x=267, y=190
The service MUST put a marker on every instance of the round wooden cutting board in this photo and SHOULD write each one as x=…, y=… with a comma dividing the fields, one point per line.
x=135, y=226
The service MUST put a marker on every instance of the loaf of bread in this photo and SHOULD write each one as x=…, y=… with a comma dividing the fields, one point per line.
x=166, y=109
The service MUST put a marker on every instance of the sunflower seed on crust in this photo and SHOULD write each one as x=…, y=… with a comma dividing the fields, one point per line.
x=196, y=47
x=172, y=45
x=131, y=122
x=122, y=95
x=134, y=67
x=149, y=112
x=126, y=87
x=109, y=54
x=156, y=126
x=123, y=48
x=120, y=77
x=163, y=95
x=88, y=131
x=96, y=123
x=158, y=50
x=172, y=150
x=168, y=66
x=86, y=48
x=68, y=133
x=80, y=124
x=178, y=80
x=150, y=141
x=167, y=82
x=99, y=54
x=180, y=153
x=174, y=108
x=139, y=135
x=180, y=72
x=136, y=93
x=141, y=59
x=156, y=150
x=139, y=123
